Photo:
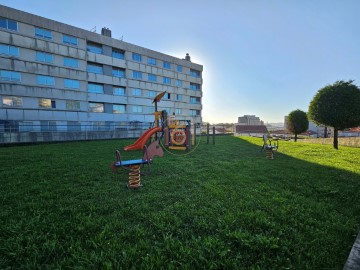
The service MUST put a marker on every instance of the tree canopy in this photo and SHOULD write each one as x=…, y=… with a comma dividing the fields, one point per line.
x=336, y=105
x=297, y=122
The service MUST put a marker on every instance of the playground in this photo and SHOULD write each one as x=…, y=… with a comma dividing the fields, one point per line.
x=225, y=206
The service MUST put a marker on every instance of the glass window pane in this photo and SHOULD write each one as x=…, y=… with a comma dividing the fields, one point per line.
x=44, y=103
x=96, y=107
x=118, y=73
x=98, y=69
x=12, y=25
x=119, y=91
x=118, y=54
x=69, y=40
x=136, y=57
x=3, y=23
x=14, y=51
x=15, y=76
x=45, y=80
x=7, y=101
x=71, y=62
x=118, y=108
x=95, y=88
x=151, y=61
x=72, y=84
x=4, y=49
x=95, y=48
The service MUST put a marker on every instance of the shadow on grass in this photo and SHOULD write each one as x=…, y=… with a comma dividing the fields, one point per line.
x=225, y=206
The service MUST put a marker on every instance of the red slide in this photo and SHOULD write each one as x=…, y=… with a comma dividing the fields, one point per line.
x=139, y=144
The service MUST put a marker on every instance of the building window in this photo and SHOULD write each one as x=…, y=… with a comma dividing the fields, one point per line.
x=178, y=111
x=71, y=62
x=8, y=24
x=167, y=96
x=152, y=77
x=194, y=86
x=119, y=108
x=95, y=88
x=151, y=93
x=179, y=97
x=118, y=72
x=151, y=61
x=94, y=48
x=43, y=33
x=95, y=68
x=118, y=91
x=137, y=109
x=136, y=92
x=194, y=73
x=26, y=126
x=166, y=80
x=194, y=100
x=70, y=40
x=45, y=80
x=6, y=75
x=9, y=50
x=166, y=65
x=179, y=68
x=73, y=126
x=44, y=57
x=195, y=112
x=72, y=84
x=48, y=126
x=47, y=103
x=12, y=101
x=96, y=107
x=136, y=57
x=179, y=83
x=72, y=105
x=118, y=54
x=137, y=74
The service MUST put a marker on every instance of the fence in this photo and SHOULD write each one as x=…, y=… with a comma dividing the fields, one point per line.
x=80, y=132
x=39, y=133
x=342, y=141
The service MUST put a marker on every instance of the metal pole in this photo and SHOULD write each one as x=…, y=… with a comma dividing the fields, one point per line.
x=207, y=132
x=213, y=135
x=194, y=133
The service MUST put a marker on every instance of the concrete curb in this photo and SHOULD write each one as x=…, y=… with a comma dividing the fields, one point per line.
x=353, y=261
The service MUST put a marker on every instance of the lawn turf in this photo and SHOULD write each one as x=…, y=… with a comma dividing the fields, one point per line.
x=223, y=206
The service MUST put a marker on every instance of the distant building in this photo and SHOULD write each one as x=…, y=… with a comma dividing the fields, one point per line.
x=250, y=130
x=250, y=120
x=350, y=132
x=314, y=130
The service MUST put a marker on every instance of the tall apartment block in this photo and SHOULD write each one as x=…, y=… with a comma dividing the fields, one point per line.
x=57, y=77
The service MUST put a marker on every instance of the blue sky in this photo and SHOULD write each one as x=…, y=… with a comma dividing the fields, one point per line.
x=262, y=57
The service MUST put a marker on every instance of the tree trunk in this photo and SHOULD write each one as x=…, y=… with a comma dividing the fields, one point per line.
x=295, y=137
x=325, y=132
x=336, y=138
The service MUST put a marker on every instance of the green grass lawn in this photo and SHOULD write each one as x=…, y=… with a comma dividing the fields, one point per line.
x=224, y=206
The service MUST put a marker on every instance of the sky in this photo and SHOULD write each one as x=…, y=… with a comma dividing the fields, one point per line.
x=260, y=57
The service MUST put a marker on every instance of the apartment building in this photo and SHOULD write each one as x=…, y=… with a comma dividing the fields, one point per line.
x=57, y=77
x=249, y=120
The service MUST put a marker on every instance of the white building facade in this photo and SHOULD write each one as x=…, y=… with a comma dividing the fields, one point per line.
x=57, y=77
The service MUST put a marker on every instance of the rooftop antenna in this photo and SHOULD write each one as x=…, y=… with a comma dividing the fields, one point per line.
x=93, y=29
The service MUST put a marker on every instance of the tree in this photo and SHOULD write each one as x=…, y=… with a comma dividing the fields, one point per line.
x=338, y=106
x=297, y=122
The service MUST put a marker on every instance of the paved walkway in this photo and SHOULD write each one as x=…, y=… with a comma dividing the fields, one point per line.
x=353, y=261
